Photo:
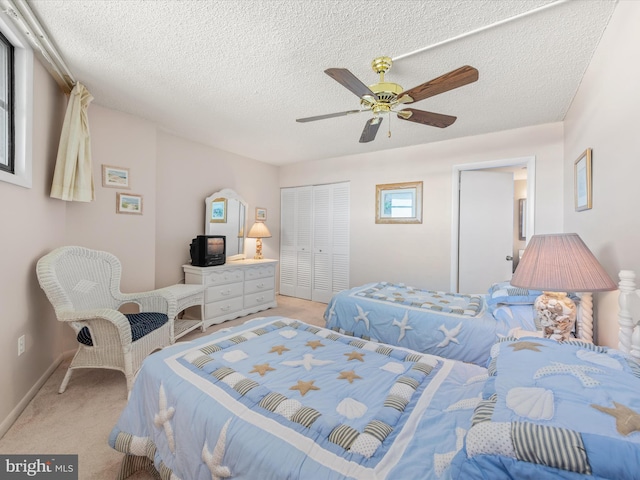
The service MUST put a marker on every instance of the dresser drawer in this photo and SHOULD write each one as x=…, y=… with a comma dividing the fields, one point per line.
x=220, y=292
x=224, y=276
x=223, y=307
x=262, y=271
x=259, y=285
x=259, y=298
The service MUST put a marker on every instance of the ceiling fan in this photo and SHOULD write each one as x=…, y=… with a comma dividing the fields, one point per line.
x=385, y=97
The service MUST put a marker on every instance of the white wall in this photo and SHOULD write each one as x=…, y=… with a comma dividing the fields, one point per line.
x=605, y=116
x=188, y=173
x=124, y=141
x=421, y=254
x=31, y=225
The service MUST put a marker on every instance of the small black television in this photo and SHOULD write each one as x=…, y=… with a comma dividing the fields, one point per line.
x=208, y=250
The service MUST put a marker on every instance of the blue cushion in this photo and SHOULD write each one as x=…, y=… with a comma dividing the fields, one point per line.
x=141, y=324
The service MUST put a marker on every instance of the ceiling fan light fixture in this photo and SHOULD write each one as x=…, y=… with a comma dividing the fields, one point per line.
x=383, y=97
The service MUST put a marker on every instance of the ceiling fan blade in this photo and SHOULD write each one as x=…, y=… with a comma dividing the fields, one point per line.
x=426, y=118
x=328, y=115
x=454, y=79
x=370, y=129
x=348, y=80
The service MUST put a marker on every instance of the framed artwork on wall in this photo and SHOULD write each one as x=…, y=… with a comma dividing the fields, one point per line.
x=128, y=203
x=218, y=210
x=399, y=202
x=522, y=219
x=115, y=177
x=261, y=214
x=582, y=181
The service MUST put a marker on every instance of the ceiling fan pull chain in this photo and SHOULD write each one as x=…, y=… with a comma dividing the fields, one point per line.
x=389, y=133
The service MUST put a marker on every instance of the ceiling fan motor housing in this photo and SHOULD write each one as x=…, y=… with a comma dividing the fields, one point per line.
x=386, y=92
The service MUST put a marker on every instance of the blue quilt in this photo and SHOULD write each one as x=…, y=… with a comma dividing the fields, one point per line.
x=451, y=325
x=276, y=398
x=552, y=410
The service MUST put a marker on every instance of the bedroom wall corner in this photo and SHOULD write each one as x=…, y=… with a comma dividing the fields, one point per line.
x=604, y=117
x=187, y=173
x=121, y=140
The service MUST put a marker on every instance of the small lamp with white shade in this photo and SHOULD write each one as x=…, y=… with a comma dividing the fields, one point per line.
x=557, y=264
x=259, y=231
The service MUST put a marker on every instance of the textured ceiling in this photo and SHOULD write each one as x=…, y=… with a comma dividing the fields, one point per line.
x=236, y=74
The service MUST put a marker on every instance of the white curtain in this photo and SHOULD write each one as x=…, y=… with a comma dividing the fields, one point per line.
x=73, y=178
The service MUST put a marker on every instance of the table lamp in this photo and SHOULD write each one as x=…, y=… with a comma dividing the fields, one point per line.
x=259, y=231
x=557, y=264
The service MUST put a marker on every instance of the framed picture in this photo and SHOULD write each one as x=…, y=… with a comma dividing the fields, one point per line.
x=115, y=177
x=128, y=203
x=261, y=214
x=522, y=219
x=218, y=210
x=399, y=202
x=582, y=181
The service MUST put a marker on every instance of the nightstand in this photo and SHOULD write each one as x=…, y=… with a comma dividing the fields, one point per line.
x=186, y=296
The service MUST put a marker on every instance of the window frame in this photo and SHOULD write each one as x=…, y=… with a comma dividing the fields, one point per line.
x=9, y=166
x=22, y=105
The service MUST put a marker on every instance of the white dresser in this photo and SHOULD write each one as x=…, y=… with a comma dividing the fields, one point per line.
x=235, y=289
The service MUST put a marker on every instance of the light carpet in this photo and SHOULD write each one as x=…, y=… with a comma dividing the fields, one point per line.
x=80, y=420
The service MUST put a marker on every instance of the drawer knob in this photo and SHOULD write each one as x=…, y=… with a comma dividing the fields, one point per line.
x=225, y=308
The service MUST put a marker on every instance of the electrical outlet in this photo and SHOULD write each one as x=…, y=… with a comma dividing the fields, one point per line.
x=21, y=345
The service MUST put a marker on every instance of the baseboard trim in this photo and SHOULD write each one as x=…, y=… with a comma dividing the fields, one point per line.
x=15, y=413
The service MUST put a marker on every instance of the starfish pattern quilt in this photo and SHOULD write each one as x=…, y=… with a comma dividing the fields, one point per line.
x=276, y=398
x=451, y=325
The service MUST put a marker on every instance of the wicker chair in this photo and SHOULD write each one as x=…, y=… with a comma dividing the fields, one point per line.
x=83, y=286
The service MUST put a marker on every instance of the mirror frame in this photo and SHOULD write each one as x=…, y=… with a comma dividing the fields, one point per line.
x=226, y=193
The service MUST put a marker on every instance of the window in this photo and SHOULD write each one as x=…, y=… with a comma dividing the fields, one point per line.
x=16, y=105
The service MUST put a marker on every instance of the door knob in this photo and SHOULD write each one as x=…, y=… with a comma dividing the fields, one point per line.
x=508, y=258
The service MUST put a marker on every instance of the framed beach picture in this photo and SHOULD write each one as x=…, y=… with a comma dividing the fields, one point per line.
x=128, y=203
x=218, y=210
x=582, y=181
x=399, y=203
x=261, y=214
x=115, y=177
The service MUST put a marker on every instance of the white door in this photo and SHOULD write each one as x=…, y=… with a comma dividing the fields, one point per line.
x=295, y=242
x=330, y=240
x=485, y=243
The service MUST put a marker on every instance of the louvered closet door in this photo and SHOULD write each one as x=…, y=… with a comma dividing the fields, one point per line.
x=330, y=240
x=295, y=242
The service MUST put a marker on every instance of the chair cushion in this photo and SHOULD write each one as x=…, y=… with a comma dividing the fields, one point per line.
x=141, y=324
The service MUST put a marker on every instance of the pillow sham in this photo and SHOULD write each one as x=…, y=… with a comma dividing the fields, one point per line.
x=503, y=293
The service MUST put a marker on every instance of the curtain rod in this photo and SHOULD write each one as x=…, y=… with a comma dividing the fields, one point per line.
x=478, y=30
x=23, y=17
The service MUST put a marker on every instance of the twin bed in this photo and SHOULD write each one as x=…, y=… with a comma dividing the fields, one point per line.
x=276, y=398
x=451, y=325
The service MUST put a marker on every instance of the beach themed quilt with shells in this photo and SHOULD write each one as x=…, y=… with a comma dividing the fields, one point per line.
x=555, y=410
x=452, y=325
x=277, y=398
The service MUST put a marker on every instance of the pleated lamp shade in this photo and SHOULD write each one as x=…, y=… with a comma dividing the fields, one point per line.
x=561, y=263
x=259, y=230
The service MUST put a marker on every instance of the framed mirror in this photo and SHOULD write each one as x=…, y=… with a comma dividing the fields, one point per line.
x=225, y=214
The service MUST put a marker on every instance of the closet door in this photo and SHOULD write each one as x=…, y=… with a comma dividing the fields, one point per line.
x=330, y=240
x=295, y=242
